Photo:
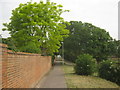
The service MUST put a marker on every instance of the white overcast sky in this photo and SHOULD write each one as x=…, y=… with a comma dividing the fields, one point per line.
x=101, y=13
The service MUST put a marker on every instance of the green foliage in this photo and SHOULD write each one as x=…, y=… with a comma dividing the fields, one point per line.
x=117, y=48
x=37, y=25
x=30, y=47
x=85, y=65
x=110, y=70
x=118, y=52
x=114, y=48
x=10, y=42
x=86, y=38
x=53, y=58
x=4, y=40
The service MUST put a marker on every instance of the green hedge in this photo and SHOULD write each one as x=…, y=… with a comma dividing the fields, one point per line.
x=85, y=65
x=110, y=70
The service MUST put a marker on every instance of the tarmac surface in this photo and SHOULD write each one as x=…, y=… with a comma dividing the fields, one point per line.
x=54, y=79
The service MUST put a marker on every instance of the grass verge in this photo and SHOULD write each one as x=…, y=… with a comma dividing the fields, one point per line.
x=78, y=81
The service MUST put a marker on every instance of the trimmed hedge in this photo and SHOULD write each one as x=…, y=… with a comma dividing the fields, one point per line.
x=110, y=70
x=85, y=65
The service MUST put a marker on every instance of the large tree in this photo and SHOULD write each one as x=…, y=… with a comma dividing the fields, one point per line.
x=37, y=27
x=86, y=38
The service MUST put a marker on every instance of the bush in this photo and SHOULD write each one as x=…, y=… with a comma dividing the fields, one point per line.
x=85, y=65
x=53, y=58
x=110, y=70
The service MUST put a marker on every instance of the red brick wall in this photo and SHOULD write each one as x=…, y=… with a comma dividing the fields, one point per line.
x=22, y=70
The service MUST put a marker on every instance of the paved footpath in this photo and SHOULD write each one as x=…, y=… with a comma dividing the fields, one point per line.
x=54, y=79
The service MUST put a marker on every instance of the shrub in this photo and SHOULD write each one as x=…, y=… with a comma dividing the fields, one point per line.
x=52, y=60
x=110, y=70
x=85, y=65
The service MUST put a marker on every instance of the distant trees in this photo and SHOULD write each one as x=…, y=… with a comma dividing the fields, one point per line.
x=86, y=44
x=118, y=48
x=86, y=38
x=37, y=27
x=114, y=48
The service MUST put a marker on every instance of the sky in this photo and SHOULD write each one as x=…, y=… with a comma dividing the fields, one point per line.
x=101, y=13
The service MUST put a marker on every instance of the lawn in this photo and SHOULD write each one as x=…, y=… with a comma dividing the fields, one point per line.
x=78, y=81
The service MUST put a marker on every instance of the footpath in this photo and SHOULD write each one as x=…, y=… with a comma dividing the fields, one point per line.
x=54, y=79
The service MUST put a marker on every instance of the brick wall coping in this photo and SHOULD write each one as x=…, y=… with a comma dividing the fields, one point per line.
x=3, y=45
